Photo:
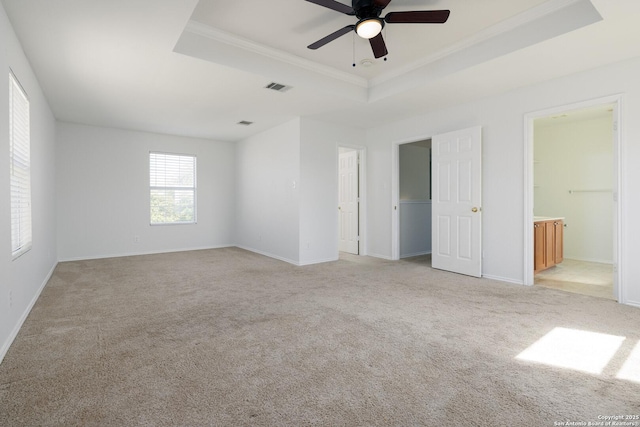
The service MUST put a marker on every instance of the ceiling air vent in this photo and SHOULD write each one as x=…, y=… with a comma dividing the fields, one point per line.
x=278, y=87
x=245, y=123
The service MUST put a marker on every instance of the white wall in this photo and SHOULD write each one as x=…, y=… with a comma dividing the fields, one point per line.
x=267, y=185
x=319, y=187
x=287, y=183
x=103, y=193
x=577, y=155
x=22, y=279
x=502, y=119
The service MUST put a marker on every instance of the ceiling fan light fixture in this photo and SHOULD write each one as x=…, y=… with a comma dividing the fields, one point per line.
x=369, y=28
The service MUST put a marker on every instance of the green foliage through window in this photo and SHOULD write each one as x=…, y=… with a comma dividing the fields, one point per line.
x=172, y=188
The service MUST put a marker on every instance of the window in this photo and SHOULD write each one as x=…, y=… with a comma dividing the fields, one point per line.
x=172, y=188
x=19, y=168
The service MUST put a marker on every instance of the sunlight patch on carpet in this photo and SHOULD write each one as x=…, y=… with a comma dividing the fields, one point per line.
x=583, y=351
x=630, y=371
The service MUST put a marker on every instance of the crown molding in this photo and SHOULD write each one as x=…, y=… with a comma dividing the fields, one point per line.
x=238, y=42
x=523, y=18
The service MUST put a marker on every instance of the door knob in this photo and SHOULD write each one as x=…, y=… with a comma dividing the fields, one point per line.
x=474, y=209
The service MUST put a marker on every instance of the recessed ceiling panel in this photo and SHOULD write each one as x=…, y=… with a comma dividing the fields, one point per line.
x=292, y=25
x=265, y=38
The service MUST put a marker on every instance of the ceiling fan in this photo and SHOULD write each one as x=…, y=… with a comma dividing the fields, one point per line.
x=370, y=24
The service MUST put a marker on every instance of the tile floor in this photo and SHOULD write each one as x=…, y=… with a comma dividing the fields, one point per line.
x=582, y=277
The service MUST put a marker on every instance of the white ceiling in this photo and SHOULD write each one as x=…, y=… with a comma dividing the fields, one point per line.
x=197, y=68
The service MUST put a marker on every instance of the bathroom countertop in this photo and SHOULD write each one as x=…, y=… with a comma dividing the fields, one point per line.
x=547, y=218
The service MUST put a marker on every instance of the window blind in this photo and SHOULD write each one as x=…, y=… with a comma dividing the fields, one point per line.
x=19, y=168
x=172, y=180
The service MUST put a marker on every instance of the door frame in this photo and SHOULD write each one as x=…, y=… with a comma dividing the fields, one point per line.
x=362, y=194
x=395, y=192
x=618, y=189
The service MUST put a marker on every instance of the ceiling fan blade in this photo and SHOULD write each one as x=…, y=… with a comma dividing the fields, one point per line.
x=334, y=5
x=381, y=3
x=331, y=37
x=378, y=46
x=418, y=17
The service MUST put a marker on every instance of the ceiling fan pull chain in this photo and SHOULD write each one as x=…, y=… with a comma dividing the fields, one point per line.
x=387, y=39
x=354, y=49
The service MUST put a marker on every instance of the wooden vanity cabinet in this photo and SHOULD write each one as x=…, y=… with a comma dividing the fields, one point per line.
x=548, y=244
x=558, y=238
x=539, y=238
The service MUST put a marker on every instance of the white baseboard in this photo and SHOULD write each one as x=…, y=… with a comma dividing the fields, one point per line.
x=599, y=261
x=267, y=254
x=14, y=333
x=381, y=256
x=126, y=254
x=503, y=279
x=415, y=254
x=319, y=261
x=632, y=303
x=230, y=245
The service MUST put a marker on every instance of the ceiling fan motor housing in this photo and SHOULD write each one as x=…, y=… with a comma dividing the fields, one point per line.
x=366, y=9
x=370, y=23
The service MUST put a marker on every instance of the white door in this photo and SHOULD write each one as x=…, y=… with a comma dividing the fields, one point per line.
x=348, y=202
x=456, y=221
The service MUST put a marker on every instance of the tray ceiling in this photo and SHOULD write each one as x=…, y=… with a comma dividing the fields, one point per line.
x=270, y=38
x=291, y=25
x=197, y=68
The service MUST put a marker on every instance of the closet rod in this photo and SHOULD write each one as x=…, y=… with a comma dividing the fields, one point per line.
x=590, y=191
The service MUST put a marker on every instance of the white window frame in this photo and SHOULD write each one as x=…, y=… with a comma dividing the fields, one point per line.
x=166, y=181
x=19, y=168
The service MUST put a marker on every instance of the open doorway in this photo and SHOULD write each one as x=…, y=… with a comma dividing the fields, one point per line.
x=574, y=187
x=414, y=205
x=455, y=200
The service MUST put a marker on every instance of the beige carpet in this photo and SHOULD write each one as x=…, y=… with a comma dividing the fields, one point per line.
x=230, y=338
